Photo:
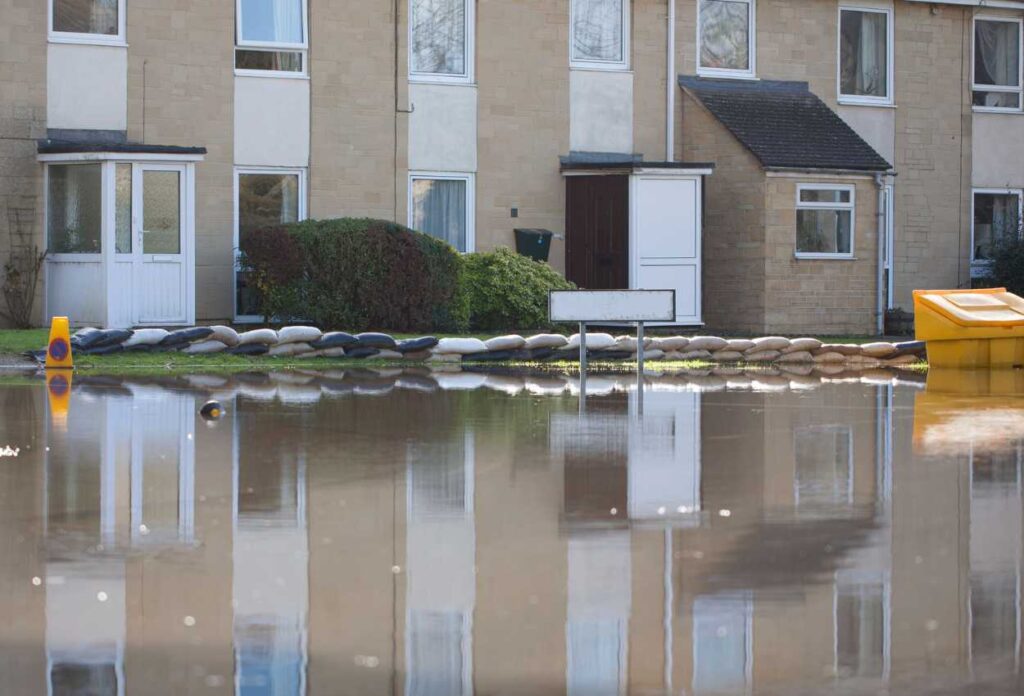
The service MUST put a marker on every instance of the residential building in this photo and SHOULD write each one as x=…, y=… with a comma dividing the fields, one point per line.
x=142, y=142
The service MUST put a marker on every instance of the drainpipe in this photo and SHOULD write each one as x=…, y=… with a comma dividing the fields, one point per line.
x=670, y=92
x=880, y=183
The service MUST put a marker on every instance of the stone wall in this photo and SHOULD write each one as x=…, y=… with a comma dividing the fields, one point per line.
x=181, y=92
x=22, y=121
x=734, y=223
x=830, y=297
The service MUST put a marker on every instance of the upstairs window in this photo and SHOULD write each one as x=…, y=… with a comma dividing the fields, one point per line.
x=725, y=32
x=998, y=71
x=273, y=37
x=600, y=34
x=824, y=221
x=92, y=21
x=865, y=68
x=440, y=40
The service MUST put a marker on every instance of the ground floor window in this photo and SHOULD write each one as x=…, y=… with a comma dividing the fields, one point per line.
x=824, y=220
x=861, y=624
x=823, y=467
x=997, y=215
x=74, y=219
x=441, y=205
x=263, y=198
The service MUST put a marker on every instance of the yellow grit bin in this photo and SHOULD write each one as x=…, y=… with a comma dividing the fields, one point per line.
x=970, y=328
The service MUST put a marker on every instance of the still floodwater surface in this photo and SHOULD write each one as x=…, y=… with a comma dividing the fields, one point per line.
x=384, y=533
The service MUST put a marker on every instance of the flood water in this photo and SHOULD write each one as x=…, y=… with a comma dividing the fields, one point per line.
x=453, y=534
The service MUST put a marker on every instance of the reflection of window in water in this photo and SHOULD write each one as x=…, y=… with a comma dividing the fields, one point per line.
x=995, y=617
x=438, y=481
x=722, y=645
x=437, y=653
x=861, y=607
x=269, y=658
x=73, y=493
x=268, y=489
x=991, y=471
x=597, y=650
x=83, y=679
x=824, y=465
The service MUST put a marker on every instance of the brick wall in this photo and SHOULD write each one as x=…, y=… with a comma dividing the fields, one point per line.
x=181, y=92
x=734, y=223
x=22, y=121
x=828, y=297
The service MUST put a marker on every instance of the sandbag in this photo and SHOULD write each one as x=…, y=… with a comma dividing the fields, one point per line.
x=266, y=337
x=329, y=353
x=490, y=356
x=145, y=337
x=798, y=345
x=289, y=349
x=376, y=340
x=179, y=338
x=916, y=348
x=205, y=347
x=695, y=355
x=843, y=348
x=85, y=337
x=654, y=354
x=769, y=343
x=708, y=343
x=298, y=334
x=360, y=352
x=595, y=341
x=250, y=349
x=334, y=339
x=460, y=346
x=671, y=343
x=829, y=357
x=800, y=356
x=386, y=354
x=111, y=337
x=739, y=344
x=505, y=343
x=879, y=349
x=104, y=350
x=762, y=356
x=727, y=356
x=224, y=334
x=546, y=341
x=417, y=345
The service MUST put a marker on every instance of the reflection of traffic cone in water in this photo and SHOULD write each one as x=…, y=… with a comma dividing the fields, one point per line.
x=58, y=351
x=58, y=389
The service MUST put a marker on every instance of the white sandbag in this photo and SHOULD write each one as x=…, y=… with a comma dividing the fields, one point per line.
x=829, y=357
x=266, y=337
x=289, y=349
x=727, y=356
x=299, y=334
x=627, y=343
x=798, y=345
x=879, y=349
x=708, y=343
x=769, y=343
x=739, y=344
x=695, y=355
x=205, y=347
x=445, y=358
x=654, y=354
x=595, y=341
x=224, y=334
x=762, y=356
x=546, y=341
x=145, y=337
x=389, y=355
x=459, y=346
x=671, y=343
x=843, y=348
x=511, y=342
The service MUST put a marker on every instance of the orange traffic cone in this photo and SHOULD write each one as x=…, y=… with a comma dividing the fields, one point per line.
x=58, y=351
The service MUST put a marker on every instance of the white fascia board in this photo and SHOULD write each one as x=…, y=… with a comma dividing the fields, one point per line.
x=118, y=156
x=1004, y=4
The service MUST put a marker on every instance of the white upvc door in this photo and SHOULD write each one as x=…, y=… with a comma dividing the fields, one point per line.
x=163, y=254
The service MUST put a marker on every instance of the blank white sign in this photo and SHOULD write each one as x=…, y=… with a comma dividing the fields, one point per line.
x=612, y=305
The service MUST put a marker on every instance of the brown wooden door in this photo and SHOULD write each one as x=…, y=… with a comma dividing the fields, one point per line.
x=597, y=231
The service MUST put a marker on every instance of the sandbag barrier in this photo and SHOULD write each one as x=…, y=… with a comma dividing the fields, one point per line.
x=310, y=342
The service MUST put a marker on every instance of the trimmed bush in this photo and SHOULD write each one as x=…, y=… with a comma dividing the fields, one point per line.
x=1007, y=269
x=506, y=291
x=357, y=274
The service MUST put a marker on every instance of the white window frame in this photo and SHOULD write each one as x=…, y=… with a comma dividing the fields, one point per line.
x=272, y=46
x=862, y=99
x=751, y=72
x=470, y=180
x=469, y=75
x=851, y=206
x=239, y=172
x=1019, y=89
x=85, y=38
x=980, y=266
x=845, y=579
x=612, y=65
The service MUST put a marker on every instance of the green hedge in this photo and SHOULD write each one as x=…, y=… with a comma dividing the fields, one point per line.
x=1007, y=269
x=357, y=274
x=508, y=291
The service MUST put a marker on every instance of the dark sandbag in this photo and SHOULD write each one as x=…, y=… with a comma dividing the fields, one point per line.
x=105, y=350
x=360, y=352
x=111, y=338
x=86, y=338
x=414, y=345
x=334, y=339
x=142, y=348
x=250, y=349
x=535, y=354
x=183, y=337
x=490, y=356
x=376, y=340
x=908, y=348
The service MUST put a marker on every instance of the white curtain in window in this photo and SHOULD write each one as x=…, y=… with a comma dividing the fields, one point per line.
x=720, y=645
x=597, y=30
x=438, y=36
x=439, y=209
x=272, y=21
x=725, y=34
x=435, y=653
x=996, y=53
x=86, y=16
x=863, y=60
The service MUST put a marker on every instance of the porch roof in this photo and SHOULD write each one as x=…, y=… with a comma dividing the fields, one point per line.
x=612, y=162
x=48, y=146
x=784, y=125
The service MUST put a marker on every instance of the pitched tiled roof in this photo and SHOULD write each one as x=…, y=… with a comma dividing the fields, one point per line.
x=784, y=125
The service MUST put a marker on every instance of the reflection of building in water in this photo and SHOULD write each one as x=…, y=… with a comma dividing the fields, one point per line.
x=270, y=586
x=723, y=652
x=440, y=567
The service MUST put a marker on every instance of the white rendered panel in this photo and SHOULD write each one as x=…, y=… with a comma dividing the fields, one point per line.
x=71, y=291
x=612, y=305
x=87, y=87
